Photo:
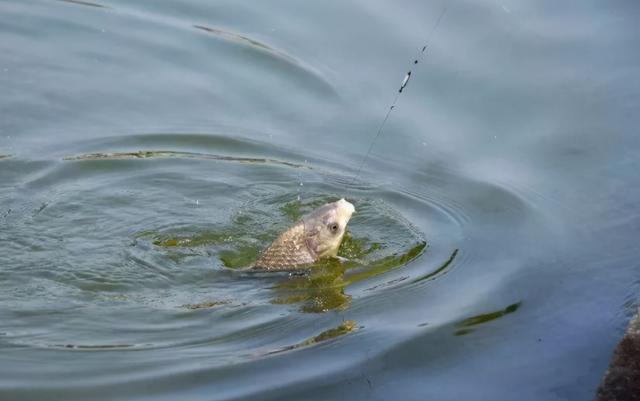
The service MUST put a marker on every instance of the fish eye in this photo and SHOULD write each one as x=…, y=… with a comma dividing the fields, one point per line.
x=333, y=227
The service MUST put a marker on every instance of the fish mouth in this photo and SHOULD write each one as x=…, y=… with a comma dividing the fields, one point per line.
x=345, y=208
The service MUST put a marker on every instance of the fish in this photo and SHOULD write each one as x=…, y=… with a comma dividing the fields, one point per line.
x=316, y=235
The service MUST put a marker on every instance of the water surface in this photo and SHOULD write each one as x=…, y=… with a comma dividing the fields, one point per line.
x=149, y=150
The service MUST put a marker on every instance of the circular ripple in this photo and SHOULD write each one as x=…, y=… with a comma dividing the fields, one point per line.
x=133, y=244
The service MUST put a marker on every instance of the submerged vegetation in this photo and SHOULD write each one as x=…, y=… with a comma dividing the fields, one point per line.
x=465, y=326
x=170, y=154
x=345, y=328
x=205, y=305
x=389, y=244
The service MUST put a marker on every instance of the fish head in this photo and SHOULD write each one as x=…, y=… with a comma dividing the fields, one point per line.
x=325, y=226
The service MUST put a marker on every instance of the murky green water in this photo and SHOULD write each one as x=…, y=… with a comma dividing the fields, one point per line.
x=149, y=150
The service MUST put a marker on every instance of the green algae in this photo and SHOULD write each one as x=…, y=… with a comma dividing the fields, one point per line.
x=170, y=154
x=387, y=245
x=386, y=264
x=346, y=327
x=323, y=287
x=439, y=271
x=356, y=248
x=96, y=347
x=196, y=240
x=466, y=325
x=292, y=210
x=462, y=332
x=206, y=305
x=239, y=258
x=320, y=290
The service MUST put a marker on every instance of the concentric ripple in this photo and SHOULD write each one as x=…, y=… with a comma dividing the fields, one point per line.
x=150, y=149
x=137, y=243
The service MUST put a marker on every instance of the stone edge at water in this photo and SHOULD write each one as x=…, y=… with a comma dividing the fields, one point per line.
x=621, y=382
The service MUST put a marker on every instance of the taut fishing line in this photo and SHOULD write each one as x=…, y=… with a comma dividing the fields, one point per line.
x=405, y=81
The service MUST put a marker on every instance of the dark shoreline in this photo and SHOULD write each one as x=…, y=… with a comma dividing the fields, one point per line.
x=621, y=382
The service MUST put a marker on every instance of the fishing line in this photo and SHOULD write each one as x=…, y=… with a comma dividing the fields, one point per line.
x=405, y=81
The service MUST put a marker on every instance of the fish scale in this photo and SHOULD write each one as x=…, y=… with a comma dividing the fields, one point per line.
x=287, y=251
x=308, y=240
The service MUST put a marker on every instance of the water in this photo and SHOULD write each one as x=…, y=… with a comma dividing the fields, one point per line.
x=151, y=148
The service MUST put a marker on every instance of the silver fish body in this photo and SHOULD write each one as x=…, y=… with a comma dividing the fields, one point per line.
x=316, y=235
